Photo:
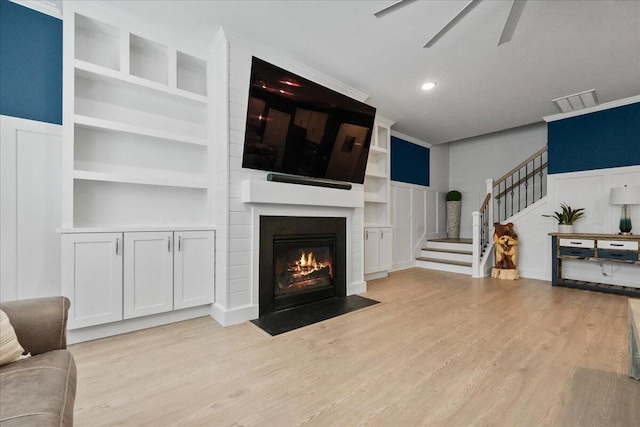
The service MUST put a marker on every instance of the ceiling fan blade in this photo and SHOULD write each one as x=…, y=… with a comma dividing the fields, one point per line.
x=468, y=8
x=396, y=6
x=512, y=21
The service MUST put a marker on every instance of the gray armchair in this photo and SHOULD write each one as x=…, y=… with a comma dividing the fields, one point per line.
x=40, y=390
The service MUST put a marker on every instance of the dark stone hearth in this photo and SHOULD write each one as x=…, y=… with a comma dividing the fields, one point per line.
x=293, y=318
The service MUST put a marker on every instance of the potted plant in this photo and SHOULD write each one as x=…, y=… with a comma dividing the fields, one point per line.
x=453, y=214
x=566, y=217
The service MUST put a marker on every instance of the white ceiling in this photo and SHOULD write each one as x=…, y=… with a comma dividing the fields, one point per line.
x=559, y=48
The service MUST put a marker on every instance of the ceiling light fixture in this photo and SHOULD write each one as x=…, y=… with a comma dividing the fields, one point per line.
x=428, y=86
x=577, y=101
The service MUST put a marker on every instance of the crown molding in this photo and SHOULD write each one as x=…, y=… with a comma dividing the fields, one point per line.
x=49, y=7
x=411, y=139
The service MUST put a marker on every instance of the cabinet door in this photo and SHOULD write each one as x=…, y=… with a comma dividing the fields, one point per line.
x=193, y=268
x=371, y=250
x=92, y=277
x=148, y=273
x=386, y=248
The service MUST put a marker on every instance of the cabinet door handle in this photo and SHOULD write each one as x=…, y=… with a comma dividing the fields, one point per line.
x=616, y=244
x=179, y=243
x=117, y=244
x=366, y=234
x=576, y=243
x=381, y=235
x=168, y=244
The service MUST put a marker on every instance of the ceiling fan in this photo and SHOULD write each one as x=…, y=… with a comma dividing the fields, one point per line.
x=507, y=32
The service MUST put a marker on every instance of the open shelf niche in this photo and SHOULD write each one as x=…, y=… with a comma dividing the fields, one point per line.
x=136, y=141
x=377, y=177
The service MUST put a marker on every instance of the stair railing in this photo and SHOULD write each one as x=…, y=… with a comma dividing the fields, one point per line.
x=519, y=188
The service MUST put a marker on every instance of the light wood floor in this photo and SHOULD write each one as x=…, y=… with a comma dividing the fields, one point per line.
x=440, y=349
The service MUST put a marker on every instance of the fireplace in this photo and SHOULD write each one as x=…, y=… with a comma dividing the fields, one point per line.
x=301, y=260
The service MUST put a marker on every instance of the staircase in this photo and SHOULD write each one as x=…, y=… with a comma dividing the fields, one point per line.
x=453, y=255
x=515, y=191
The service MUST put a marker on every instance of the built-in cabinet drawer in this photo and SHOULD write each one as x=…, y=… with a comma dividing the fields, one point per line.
x=578, y=243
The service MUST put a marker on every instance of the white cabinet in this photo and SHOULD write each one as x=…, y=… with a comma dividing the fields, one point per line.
x=386, y=248
x=193, y=268
x=378, y=249
x=114, y=276
x=92, y=277
x=148, y=273
x=371, y=250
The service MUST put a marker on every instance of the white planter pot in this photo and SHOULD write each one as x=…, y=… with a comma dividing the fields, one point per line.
x=564, y=228
x=453, y=219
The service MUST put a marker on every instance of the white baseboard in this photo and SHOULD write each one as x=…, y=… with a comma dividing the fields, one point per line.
x=130, y=325
x=374, y=276
x=234, y=316
x=356, y=288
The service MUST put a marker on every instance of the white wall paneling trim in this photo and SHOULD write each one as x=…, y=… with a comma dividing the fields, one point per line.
x=30, y=169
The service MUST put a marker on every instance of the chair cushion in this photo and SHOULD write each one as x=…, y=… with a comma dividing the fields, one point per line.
x=10, y=348
x=39, y=391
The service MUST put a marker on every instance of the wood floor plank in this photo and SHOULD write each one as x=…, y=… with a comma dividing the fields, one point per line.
x=440, y=349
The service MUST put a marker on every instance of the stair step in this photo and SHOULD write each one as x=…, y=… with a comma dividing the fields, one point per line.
x=447, y=240
x=465, y=245
x=439, y=265
x=449, y=251
x=444, y=261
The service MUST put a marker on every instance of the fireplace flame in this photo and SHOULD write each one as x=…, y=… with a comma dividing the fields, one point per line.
x=307, y=264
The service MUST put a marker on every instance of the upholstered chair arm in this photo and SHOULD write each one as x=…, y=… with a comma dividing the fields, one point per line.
x=40, y=323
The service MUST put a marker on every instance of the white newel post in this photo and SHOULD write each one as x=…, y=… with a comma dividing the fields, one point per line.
x=477, y=250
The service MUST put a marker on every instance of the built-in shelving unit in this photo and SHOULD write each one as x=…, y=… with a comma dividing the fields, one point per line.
x=378, y=174
x=136, y=129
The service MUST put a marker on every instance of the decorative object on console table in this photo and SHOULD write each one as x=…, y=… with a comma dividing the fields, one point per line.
x=506, y=242
x=625, y=196
x=453, y=214
x=566, y=218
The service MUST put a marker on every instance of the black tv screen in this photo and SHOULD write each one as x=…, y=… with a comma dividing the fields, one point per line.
x=298, y=127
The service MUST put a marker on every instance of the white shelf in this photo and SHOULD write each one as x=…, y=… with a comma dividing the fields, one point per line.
x=374, y=198
x=92, y=122
x=377, y=150
x=101, y=72
x=182, y=227
x=136, y=126
x=140, y=179
x=376, y=175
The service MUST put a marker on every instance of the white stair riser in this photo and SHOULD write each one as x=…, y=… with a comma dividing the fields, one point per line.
x=444, y=267
x=451, y=256
x=450, y=246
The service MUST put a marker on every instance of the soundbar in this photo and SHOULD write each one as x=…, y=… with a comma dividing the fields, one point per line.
x=316, y=182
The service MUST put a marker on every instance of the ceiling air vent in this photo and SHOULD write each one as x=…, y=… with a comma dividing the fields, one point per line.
x=577, y=101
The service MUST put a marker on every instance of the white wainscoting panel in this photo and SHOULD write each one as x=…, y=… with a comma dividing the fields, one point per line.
x=30, y=160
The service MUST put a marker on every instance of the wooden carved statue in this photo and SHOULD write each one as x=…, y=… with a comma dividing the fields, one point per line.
x=505, y=241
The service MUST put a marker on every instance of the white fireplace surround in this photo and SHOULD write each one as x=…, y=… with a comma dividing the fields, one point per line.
x=267, y=198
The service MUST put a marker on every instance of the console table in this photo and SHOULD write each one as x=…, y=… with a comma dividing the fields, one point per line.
x=595, y=247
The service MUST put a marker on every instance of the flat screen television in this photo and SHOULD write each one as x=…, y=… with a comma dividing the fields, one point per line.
x=298, y=127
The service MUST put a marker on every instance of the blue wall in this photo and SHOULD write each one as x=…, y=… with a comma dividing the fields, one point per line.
x=31, y=58
x=409, y=162
x=604, y=139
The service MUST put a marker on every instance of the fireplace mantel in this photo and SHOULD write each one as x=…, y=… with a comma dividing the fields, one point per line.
x=269, y=192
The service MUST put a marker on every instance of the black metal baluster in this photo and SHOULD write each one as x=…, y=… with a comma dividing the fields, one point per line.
x=526, y=185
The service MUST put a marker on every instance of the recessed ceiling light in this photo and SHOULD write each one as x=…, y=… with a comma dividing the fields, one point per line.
x=428, y=86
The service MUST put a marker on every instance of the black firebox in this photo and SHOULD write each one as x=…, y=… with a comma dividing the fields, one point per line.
x=302, y=260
